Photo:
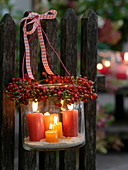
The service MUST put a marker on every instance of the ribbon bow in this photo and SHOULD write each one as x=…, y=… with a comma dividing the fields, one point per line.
x=35, y=19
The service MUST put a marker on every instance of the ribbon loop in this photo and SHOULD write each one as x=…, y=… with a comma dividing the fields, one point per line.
x=35, y=19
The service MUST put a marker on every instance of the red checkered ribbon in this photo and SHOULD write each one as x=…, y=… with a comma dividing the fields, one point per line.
x=35, y=19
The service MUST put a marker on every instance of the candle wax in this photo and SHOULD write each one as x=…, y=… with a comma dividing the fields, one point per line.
x=58, y=126
x=35, y=124
x=70, y=123
x=51, y=136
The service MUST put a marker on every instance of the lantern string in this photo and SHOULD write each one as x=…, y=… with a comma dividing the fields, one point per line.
x=55, y=52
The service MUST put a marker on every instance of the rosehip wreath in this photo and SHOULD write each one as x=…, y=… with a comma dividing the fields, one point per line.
x=54, y=88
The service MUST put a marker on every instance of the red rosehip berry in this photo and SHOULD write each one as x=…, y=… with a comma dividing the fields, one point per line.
x=91, y=83
x=43, y=73
x=94, y=96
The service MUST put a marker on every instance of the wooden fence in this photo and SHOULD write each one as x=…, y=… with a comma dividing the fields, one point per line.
x=73, y=159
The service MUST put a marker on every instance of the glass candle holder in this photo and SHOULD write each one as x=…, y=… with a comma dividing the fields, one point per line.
x=48, y=127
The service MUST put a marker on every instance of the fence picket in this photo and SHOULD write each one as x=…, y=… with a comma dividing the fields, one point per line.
x=69, y=57
x=88, y=68
x=48, y=160
x=27, y=160
x=7, y=108
x=69, y=42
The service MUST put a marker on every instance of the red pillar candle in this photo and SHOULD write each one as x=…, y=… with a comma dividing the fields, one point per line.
x=70, y=123
x=35, y=124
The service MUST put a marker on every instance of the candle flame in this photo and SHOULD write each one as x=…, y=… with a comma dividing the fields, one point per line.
x=47, y=113
x=35, y=106
x=70, y=107
x=55, y=119
x=50, y=127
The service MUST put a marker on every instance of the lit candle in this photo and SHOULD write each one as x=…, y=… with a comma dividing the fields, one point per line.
x=58, y=127
x=35, y=124
x=70, y=122
x=51, y=135
x=48, y=119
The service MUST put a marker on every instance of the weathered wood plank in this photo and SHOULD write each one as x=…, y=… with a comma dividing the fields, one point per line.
x=69, y=58
x=69, y=42
x=88, y=67
x=48, y=160
x=50, y=27
x=7, y=108
x=27, y=159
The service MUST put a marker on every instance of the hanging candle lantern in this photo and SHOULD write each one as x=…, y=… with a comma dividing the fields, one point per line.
x=52, y=115
x=53, y=124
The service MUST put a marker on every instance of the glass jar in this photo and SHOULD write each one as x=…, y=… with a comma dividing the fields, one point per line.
x=47, y=127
